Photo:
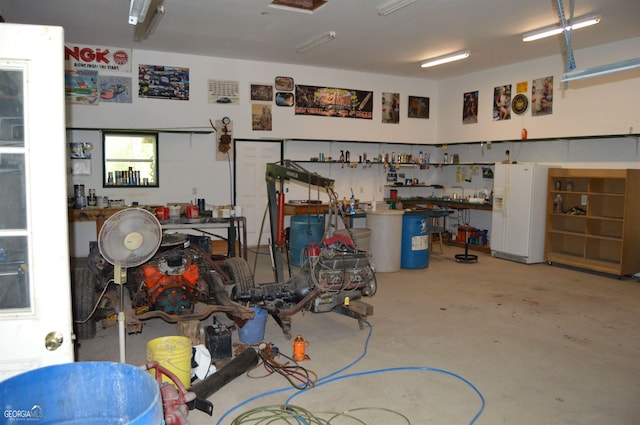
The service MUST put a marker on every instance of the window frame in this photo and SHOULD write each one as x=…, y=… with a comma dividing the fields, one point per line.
x=155, y=162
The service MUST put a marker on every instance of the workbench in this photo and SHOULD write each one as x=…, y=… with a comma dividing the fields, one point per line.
x=202, y=224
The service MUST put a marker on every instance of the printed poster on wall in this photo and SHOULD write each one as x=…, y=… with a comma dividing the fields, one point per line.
x=223, y=92
x=542, y=96
x=333, y=102
x=261, y=117
x=81, y=86
x=115, y=89
x=163, y=82
x=502, y=103
x=391, y=108
x=98, y=58
x=470, y=108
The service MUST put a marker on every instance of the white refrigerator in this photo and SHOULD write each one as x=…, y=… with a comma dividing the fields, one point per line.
x=519, y=210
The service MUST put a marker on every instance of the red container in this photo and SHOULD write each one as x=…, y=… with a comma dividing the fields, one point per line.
x=465, y=232
x=162, y=213
x=193, y=211
x=393, y=193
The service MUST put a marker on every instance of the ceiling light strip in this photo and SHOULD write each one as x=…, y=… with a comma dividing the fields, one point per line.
x=138, y=11
x=155, y=20
x=598, y=71
x=317, y=42
x=446, y=59
x=394, y=6
x=557, y=29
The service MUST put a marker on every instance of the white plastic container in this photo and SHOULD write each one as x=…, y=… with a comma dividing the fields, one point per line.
x=385, y=241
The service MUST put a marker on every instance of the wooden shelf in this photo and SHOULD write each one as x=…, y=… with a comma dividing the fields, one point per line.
x=605, y=236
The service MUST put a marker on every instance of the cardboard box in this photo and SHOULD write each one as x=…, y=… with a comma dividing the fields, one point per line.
x=221, y=247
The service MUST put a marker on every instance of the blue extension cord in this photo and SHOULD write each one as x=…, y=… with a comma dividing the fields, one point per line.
x=329, y=379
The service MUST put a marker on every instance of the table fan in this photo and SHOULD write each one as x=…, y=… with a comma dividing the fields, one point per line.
x=127, y=239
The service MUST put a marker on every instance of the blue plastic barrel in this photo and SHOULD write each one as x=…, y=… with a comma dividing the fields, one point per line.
x=304, y=229
x=88, y=393
x=415, y=240
x=253, y=331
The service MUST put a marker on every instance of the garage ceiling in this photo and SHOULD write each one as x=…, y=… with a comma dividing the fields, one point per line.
x=393, y=45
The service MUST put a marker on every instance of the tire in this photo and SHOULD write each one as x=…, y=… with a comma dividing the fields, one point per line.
x=83, y=290
x=239, y=272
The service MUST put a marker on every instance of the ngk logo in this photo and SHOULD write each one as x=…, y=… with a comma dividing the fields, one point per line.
x=87, y=54
x=101, y=58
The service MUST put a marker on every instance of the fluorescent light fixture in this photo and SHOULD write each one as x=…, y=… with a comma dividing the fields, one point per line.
x=557, y=29
x=445, y=59
x=138, y=11
x=598, y=71
x=317, y=42
x=394, y=6
x=155, y=20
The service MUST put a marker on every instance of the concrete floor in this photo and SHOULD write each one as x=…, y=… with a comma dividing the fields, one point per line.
x=494, y=342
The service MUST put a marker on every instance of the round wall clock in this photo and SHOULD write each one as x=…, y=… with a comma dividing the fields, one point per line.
x=519, y=104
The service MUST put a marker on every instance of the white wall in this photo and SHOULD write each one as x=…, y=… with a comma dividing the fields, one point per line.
x=599, y=106
x=606, y=105
x=196, y=113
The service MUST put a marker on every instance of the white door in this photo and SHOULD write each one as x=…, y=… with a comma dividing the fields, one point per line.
x=251, y=158
x=35, y=300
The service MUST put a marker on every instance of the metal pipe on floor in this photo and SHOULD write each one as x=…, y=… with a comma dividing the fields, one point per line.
x=242, y=363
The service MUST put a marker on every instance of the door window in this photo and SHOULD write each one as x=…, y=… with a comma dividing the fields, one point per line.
x=14, y=240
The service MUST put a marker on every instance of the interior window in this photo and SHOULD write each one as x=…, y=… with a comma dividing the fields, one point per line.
x=130, y=159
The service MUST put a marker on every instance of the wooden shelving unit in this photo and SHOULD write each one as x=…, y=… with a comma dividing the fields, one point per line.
x=599, y=225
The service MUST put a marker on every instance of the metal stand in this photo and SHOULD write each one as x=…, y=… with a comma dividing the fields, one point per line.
x=466, y=257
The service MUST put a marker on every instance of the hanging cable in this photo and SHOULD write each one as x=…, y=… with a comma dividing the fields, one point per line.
x=95, y=307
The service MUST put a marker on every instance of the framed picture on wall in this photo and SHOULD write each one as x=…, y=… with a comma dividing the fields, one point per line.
x=262, y=92
x=418, y=107
x=284, y=83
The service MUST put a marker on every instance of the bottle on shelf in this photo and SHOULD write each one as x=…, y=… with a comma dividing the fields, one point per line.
x=557, y=204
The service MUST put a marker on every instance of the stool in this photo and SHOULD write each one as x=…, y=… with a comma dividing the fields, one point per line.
x=436, y=228
x=466, y=258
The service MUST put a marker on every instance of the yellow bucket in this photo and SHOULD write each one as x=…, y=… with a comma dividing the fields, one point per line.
x=174, y=354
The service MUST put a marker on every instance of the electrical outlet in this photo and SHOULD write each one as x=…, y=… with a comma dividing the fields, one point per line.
x=194, y=190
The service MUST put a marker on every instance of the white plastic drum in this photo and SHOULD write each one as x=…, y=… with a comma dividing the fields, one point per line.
x=385, y=242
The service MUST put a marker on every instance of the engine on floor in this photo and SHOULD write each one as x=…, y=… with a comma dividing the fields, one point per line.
x=170, y=283
x=333, y=273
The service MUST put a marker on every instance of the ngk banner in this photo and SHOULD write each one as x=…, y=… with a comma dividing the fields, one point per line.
x=97, y=58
